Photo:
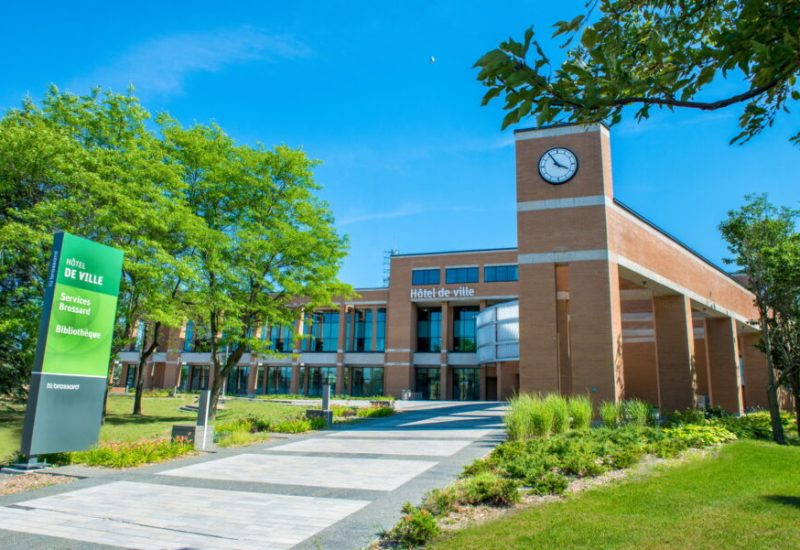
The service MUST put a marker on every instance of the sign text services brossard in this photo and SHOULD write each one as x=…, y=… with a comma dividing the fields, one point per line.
x=68, y=382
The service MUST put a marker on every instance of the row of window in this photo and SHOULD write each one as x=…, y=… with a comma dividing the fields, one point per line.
x=460, y=275
x=429, y=329
x=320, y=333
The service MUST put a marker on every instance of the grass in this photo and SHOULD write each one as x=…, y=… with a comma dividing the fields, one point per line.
x=746, y=497
x=160, y=414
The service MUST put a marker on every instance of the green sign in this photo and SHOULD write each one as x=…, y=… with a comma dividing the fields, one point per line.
x=68, y=382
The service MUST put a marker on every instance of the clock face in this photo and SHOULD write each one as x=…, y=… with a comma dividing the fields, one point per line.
x=558, y=165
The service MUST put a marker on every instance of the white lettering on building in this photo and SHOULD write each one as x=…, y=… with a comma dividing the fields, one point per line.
x=442, y=292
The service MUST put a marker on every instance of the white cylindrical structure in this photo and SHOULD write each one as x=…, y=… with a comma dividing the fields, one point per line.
x=498, y=333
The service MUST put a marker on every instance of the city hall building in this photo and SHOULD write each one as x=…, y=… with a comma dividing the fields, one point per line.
x=594, y=300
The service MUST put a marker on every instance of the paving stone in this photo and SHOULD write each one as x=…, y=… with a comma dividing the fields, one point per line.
x=410, y=447
x=374, y=474
x=146, y=515
x=414, y=434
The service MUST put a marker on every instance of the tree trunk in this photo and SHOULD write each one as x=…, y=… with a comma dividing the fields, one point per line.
x=143, y=356
x=796, y=395
x=772, y=388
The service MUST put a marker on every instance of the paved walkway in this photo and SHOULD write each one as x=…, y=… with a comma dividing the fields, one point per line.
x=333, y=489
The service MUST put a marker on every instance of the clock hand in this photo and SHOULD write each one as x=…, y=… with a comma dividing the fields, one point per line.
x=555, y=161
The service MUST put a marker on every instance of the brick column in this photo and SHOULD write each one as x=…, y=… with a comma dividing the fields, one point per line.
x=538, y=336
x=596, y=330
x=722, y=355
x=445, y=371
x=340, y=347
x=755, y=370
x=296, y=347
x=562, y=328
x=675, y=355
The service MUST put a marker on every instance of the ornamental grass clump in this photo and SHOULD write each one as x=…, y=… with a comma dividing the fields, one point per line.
x=517, y=419
x=635, y=412
x=610, y=414
x=541, y=418
x=580, y=412
x=558, y=406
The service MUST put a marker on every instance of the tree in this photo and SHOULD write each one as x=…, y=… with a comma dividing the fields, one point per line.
x=654, y=53
x=271, y=246
x=88, y=165
x=765, y=243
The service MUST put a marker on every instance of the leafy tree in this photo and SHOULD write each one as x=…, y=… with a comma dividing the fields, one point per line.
x=89, y=165
x=270, y=240
x=765, y=243
x=654, y=53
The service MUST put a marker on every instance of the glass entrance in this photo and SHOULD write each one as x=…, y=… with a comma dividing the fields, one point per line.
x=318, y=377
x=466, y=384
x=427, y=382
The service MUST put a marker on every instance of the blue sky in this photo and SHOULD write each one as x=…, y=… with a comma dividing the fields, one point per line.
x=410, y=159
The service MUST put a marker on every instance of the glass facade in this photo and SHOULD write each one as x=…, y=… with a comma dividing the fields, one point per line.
x=280, y=338
x=188, y=340
x=318, y=377
x=427, y=382
x=365, y=381
x=380, y=330
x=429, y=329
x=321, y=331
x=466, y=384
x=457, y=275
x=464, y=328
x=425, y=276
x=500, y=273
x=194, y=377
x=130, y=377
x=359, y=330
x=236, y=383
x=279, y=380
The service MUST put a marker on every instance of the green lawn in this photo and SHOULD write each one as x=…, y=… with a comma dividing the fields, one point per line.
x=747, y=497
x=160, y=413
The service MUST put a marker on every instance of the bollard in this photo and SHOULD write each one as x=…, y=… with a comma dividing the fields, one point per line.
x=204, y=434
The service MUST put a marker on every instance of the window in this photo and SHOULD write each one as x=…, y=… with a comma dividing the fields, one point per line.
x=466, y=384
x=464, y=328
x=236, y=383
x=500, y=273
x=429, y=329
x=457, y=275
x=366, y=381
x=380, y=330
x=319, y=377
x=280, y=338
x=196, y=339
x=427, y=382
x=359, y=330
x=425, y=276
x=279, y=380
x=321, y=331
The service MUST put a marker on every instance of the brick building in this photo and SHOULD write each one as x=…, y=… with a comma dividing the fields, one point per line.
x=595, y=299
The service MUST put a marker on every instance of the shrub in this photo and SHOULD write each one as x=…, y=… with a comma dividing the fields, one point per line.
x=239, y=438
x=757, y=425
x=560, y=410
x=479, y=466
x=415, y=528
x=580, y=412
x=550, y=483
x=610, y=414
x=440, y=502
x=689, y=416
x=635, y=412
x=127, y=454
x=489, y=488
x=294, y=426
x=699, y=436
x=342, y=411
x=374, y=412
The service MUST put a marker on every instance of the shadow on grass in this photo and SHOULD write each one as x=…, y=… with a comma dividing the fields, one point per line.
x=784, y=499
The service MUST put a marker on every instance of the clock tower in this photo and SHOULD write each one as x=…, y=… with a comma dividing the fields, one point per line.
x=570, y=322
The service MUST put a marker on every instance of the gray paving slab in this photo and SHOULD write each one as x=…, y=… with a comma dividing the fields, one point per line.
x=152, y=510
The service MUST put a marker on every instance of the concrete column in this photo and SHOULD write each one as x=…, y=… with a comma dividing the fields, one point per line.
x=296, y=347
x=596, y=330
x=722, y=358
x=675, y=355
x=538, y=336
x=755, y=370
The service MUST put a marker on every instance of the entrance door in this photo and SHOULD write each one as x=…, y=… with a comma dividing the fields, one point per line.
x=491, y=388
